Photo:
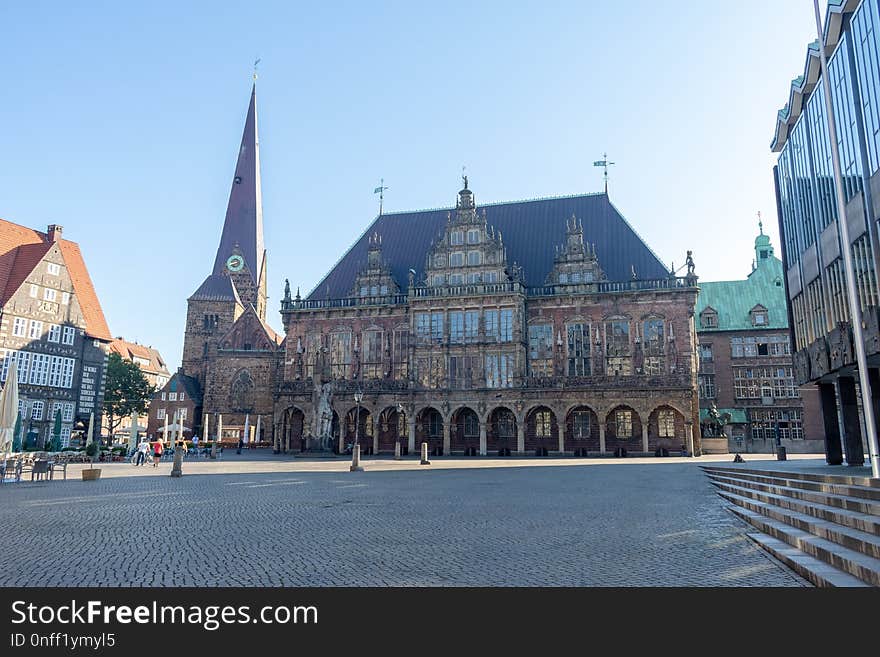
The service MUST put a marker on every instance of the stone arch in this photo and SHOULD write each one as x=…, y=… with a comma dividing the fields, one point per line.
x=464, y=431
x=622, y=434
x=242, y=392
x=501, y=430
x=429, y=429
x=293, y=429
x=393, y=428
x=581, y=430
x=658, y=432
x=360, y=427
x=541, y=430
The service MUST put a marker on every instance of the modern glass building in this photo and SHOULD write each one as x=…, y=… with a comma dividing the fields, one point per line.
x=809, y=225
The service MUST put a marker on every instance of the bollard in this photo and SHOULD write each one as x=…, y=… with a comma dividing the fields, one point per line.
x=356, y=459
x=425, y=460
x=177, y=468
x=397, y=451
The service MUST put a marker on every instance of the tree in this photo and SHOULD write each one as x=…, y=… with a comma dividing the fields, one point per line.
x=126, y=390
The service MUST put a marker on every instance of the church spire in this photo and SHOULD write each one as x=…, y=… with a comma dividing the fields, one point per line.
x=243, y=226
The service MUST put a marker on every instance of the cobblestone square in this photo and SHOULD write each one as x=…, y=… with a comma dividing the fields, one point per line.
x=291, y=522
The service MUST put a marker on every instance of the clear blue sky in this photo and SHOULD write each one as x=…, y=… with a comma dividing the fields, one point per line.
x=122, y=123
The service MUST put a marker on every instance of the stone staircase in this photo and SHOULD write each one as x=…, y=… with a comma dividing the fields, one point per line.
x=824, y=527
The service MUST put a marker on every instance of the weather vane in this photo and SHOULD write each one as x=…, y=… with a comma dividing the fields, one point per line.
x=257, y=61
x=760, y=223
x=604, y=163
x=380, y=190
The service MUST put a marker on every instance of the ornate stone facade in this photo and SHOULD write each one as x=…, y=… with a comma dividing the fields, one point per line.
x=446, y=341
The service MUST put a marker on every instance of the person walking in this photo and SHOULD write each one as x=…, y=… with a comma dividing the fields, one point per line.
x=143, y=449
x=157, y=453
x=240, y=444
x=195, y=443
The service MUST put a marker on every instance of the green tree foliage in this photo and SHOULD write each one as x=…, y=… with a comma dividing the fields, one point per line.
x=126, y=390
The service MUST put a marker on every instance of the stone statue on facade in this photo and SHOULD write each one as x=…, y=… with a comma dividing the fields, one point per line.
x=324, y=417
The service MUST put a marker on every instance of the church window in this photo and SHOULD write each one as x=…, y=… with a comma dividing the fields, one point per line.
x=580, y=424
x=492, y=324
x=423, y=326
x=471, y=325
x=456, y=326
x=666, y=424
x=456, y=259
x=578, y=349
x=372, y=356
x=340, y=353
x=437, y=326
x=623, y=424
x=506, y=326
x=473, y=236
x=541, y=349
x=542, y=424
x=400, y=355
x=617, y=348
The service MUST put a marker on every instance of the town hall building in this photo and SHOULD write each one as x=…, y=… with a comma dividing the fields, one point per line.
x=544, y=326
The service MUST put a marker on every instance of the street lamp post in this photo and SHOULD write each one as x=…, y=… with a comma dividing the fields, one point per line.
x=356, y=448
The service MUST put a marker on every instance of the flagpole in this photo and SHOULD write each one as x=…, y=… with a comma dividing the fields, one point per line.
x=855, y=310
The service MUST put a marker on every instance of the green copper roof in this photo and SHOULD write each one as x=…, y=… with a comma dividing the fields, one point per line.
x=733, y=301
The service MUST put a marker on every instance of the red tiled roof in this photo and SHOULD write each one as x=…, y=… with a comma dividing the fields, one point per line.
x=21, y=248
x=129, y=350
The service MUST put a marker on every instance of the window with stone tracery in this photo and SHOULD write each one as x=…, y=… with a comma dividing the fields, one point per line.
x=340, y=354
x=372, y=355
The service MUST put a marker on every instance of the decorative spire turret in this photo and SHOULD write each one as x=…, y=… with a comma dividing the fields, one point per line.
x=243, y=225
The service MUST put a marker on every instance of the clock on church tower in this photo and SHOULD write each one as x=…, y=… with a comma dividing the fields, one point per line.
x=235, y=263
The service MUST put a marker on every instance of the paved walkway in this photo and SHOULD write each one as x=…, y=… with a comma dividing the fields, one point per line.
x=264, y=520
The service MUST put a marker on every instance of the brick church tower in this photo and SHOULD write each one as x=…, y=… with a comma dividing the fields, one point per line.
x=238, y=279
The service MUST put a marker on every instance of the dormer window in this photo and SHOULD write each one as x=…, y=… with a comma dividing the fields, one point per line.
x=456, y=237
x=473, y=237
x=456, y=259
x=474, y=257
x=563, y=278
x=709, y=318
x=759, y=316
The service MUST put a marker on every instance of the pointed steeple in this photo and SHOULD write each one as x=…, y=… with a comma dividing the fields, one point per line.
x=243, y=226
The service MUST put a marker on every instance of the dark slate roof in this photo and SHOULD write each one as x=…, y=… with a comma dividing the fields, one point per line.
x=243, y=226
x=190, y=386
x=217, y=287
x=530, y=231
